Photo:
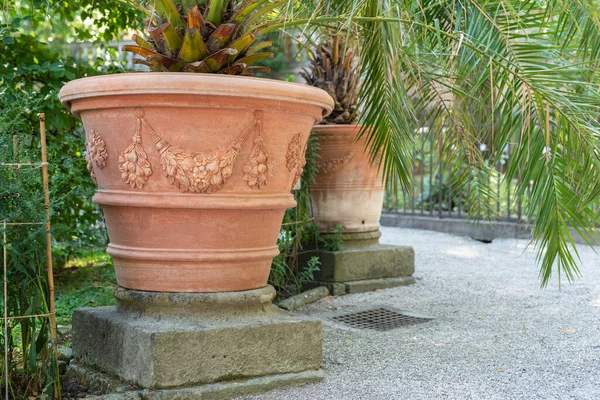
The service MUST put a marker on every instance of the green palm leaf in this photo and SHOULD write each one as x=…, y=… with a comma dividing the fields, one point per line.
x=505, y=73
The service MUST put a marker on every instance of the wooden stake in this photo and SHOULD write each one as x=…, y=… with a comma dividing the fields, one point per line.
x=48, y=234
x=52, y=309
x=16, y=160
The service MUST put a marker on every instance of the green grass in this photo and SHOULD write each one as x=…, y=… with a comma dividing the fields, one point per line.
x=88, y=281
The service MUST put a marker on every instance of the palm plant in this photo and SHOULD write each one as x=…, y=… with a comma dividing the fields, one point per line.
x=215, y=36
x=522, y=73
x=334, y=70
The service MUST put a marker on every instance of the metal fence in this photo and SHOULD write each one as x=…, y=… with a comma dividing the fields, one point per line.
x=432, y=194
x=110, y=52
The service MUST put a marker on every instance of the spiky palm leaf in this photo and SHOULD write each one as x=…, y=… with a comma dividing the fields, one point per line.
x=512, y=73
x=333, y=69
x=215, y=36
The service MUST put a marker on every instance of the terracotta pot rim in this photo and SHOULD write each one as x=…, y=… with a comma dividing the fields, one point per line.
x=145, y=83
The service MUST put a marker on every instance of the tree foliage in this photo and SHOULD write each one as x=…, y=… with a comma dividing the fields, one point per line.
x=33, y=69
x=518, y=73
x=57, y=21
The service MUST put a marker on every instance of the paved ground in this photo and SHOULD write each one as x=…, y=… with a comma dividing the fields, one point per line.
x=496, y=334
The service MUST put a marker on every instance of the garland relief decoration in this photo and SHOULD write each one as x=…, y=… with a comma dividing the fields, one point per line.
x=188, y=170
x=295, y=157
x=329, y=166
x=95, y=153
x=258, y=169
x=133, y=161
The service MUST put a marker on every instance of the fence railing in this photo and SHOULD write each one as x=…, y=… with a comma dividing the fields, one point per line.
x=110, y=52
x=432, y=194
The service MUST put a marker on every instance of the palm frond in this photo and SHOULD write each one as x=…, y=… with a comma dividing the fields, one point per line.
x=515, y=74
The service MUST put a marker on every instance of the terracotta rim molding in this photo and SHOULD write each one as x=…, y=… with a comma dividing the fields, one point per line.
x=194, y=172
x=174, y=83
x=347, y=189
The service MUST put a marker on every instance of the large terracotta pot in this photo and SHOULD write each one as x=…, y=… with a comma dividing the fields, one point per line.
x=347, y=189
x=194, y=172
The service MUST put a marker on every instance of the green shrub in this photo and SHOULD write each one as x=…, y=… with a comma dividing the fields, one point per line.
x=30, y=85
x=32, y=365
x=30, y=78
x=287, y=276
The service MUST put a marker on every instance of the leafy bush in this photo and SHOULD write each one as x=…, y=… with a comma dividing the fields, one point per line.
x=31, y=362
x=286, y=275
x=30, y=85
x=30, y=78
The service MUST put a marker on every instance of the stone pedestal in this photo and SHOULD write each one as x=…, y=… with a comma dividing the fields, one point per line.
x=195, y=343
x=363, y=264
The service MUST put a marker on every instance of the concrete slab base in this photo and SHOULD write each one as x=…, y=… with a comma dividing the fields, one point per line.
x=362, y=259
x=368, y=285
x=172, y=342
x=214, y=391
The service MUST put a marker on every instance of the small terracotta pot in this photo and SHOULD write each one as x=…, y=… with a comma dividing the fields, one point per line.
x=194, y=172
x=347, y=189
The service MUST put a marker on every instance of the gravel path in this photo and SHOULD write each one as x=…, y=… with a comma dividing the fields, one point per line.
x=496, y=334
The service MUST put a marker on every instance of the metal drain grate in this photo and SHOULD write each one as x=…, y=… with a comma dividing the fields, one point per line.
x=379, y=319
